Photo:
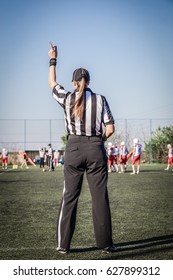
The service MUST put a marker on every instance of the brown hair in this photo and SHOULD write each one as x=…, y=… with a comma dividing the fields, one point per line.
x=78, y=106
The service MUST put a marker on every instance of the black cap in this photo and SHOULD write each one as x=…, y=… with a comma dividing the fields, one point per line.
x=80, y=73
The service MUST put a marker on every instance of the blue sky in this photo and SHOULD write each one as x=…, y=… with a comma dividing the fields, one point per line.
x=126, y=45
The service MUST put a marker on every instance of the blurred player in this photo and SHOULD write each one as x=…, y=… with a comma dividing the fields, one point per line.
x=50, y=158
x=4, y=158
x=42, y=156
x=170, y=156
x=123, y=157
x=136, y=154
x=115, y=155
x=24, y=160
x=56, y=155
x=110, y=152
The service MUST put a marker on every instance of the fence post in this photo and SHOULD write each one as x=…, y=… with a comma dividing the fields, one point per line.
x=50, y=131
x=24, y=135
x=126, y=131
x=151, y=158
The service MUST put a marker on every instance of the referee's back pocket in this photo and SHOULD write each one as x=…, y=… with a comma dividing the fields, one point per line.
x=72, y=149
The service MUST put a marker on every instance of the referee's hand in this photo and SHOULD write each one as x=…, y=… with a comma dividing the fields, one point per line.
x=53, y=51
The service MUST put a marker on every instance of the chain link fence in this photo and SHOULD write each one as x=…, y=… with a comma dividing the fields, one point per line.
x=30, y=135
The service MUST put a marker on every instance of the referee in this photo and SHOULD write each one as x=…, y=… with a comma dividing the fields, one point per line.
x=85, y=113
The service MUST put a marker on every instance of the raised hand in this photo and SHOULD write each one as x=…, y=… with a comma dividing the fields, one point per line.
x=53, y=51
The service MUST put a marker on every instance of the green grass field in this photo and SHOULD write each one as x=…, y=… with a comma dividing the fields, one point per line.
x=141, y=206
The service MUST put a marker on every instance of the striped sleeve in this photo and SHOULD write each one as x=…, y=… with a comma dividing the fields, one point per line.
x=107, y=115
x=60, y=94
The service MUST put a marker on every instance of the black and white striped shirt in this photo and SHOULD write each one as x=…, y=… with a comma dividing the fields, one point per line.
x=96, y=112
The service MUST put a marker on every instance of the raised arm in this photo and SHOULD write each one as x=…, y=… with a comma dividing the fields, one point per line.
x=52, y=69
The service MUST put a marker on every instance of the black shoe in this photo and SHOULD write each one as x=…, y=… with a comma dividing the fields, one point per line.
x=62, y=251
x=109, y=250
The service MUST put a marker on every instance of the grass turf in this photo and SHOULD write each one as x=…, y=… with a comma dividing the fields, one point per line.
x=141, y=206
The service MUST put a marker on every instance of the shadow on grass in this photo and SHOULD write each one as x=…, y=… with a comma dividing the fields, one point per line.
x=149, y=245
x=143, y=246
x=156, y=240
x=83, y=250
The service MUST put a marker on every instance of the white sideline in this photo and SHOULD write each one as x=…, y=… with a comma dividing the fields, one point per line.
x=42, y=248
x=25, y=248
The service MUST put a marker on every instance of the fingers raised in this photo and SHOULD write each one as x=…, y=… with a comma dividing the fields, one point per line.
x=51, y=45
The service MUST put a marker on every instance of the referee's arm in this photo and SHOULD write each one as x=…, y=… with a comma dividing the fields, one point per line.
x=52, y=77
x=109, y=130
x=52, y=69
x=108, y=121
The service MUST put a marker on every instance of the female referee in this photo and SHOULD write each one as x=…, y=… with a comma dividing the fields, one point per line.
x=85, y=112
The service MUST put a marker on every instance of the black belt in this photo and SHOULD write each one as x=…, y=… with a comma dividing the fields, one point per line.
x=73, y=136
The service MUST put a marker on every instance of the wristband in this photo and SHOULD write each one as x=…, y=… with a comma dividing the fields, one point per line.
x=52, y=62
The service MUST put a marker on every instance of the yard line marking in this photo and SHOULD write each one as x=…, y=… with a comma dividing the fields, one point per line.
x=43, y=248
x=25, y=248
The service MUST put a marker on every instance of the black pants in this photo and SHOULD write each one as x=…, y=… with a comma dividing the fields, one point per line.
x=50, y=163
x=41, y=162
x=85, y=154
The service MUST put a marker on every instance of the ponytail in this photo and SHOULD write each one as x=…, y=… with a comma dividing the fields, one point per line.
x=78, y=106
